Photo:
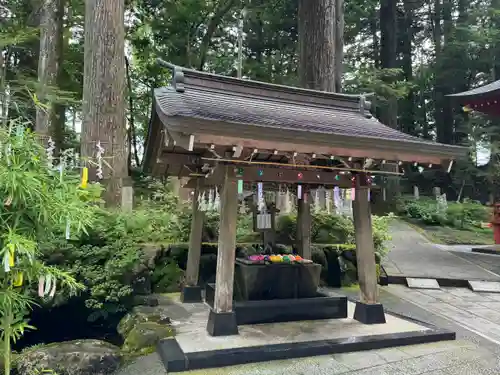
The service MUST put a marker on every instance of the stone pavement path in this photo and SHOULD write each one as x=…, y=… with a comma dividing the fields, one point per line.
x=412, y=255
x=477, y=312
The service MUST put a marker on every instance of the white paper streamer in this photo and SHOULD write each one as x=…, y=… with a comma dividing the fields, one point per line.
x=216, y=200
x=99, y=154
x=328, y=201
x=317, y=205
x=260, y=197
x=243, y=208
x=6, y=261
x=41, y=285
x=203, y=203
x=8, y=153
x=48, y=284
x=68, y=228
x=210, y=205
x=53, y=290
x=288, y=202
x=299, y=192
x=51, y=146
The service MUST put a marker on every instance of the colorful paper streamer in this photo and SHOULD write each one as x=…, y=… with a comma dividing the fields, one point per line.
x=85, y=178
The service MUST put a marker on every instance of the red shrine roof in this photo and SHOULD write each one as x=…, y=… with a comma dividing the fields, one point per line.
x=485, y=99
x=204, y=103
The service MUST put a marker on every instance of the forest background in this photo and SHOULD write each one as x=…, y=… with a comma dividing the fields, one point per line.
x=410, y=53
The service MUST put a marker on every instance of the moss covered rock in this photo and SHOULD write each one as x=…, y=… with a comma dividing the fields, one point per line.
x=143, y=327
x=79, y=357
x=146, y=335
x=142, y=314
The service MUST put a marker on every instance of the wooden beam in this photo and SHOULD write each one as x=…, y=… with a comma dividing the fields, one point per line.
x=223, y=300
x=304, y=227
x=365, y=250
x=253, y=173
x=194, y=253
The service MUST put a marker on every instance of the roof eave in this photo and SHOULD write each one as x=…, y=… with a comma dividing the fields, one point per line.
x=420, y=151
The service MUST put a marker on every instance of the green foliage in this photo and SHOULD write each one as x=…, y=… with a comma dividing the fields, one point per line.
x=36, y=202
x=166, y=277
x=327, y=228
x=458, y=215
x=108, y=266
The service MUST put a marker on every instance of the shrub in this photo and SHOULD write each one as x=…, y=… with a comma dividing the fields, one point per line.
x=459, y=215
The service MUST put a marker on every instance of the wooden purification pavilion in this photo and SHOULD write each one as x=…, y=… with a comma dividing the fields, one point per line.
x=217, y=130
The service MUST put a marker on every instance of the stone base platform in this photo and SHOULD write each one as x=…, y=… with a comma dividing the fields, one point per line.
x=284, y=310
x=193, y=348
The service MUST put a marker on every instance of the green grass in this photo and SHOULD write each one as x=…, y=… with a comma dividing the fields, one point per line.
x=454, y=236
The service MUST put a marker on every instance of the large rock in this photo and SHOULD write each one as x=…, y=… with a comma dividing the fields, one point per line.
x=144, y=336
x=79, y=357
x=143, y=327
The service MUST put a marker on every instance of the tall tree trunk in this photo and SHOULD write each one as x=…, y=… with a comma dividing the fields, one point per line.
x=375, y=40
x=219, y=12
x=444, y=123
x=48, y=65
x=339, y=44
x=408, y=103
x=317, y=44
x=132, y=137
x=103, y=109
x=58, y=115
x=388, y=46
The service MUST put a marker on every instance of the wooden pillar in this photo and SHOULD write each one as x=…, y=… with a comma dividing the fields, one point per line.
x=191, y=292
x=368, y=310
x=222, y=319
x=304, y=228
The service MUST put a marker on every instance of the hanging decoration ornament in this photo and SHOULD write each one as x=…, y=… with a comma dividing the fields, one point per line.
x=8, y=153
x=51, y=146
x=203, y=202
x=317, y=205
x=68, y=228
x=47, y=286
x=18, y=280
x=288, y=202
x=41, y=285
x=8, y=258
x=210, y=205
x=336, y=198
x=77, y=159
x=85, y=178
x=261, y=203
x=53, y=290
x=240, y=186
x=99, y=156
x=216, y=200
x=243, y=207
x=328, y=201
x=299, y=191
x=20, y=132
x=280, y=198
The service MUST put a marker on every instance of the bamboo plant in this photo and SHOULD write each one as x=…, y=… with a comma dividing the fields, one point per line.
x=39, y=197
